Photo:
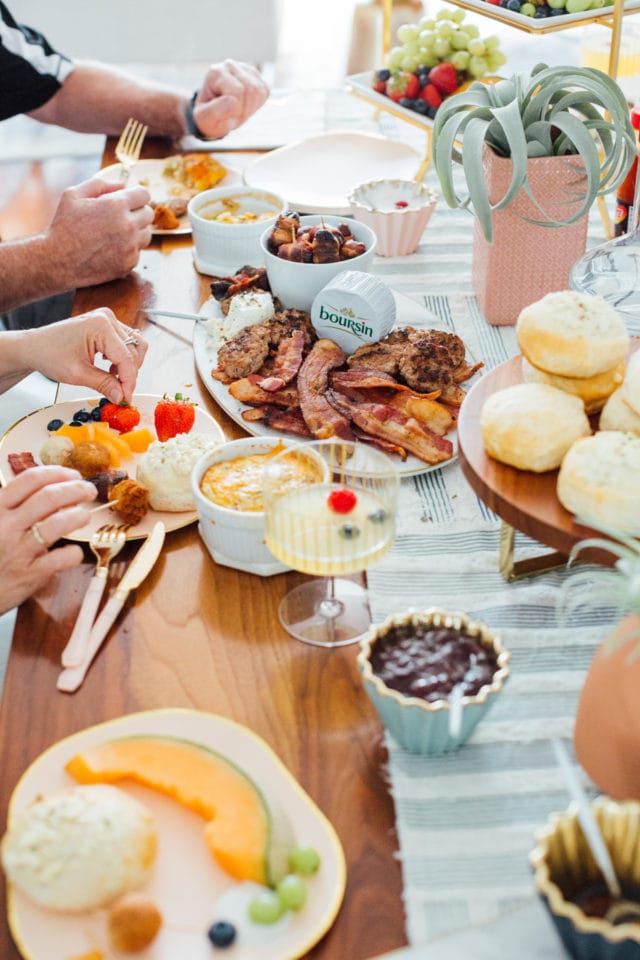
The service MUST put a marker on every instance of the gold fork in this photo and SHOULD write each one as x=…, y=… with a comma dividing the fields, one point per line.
x=106, y=542
x=129, y=145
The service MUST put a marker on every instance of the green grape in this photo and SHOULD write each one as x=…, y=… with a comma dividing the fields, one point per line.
x=292, y=892
x=265, y=908
x=578, y=6
x=406, y=32
x=442, y=48
x=491, y=43
x=477, y=66
x=445, y=29
x=411, y=48
x=496, y=59
x=476, y=48
x=427, y=24
x=470, y=29
x=459, y=41
x=428, y=59
x=410, y=64
x=596, y=4
x=304, y=860
x=444, y=15
x=427, y=39
x=395, y=57
x=557, y=4
x=460, y=60
x=528, y=10
x=458, y=15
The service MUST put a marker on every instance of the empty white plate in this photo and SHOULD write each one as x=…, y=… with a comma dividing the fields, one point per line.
x=316, y=175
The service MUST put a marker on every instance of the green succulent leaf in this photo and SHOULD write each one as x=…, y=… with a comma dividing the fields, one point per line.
x=550, y=111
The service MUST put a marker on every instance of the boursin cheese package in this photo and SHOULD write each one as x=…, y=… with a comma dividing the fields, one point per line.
x=354, y=309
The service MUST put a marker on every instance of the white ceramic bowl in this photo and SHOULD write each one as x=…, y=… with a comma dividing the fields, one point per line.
x=236, y=538
x=296, y=284
x=398, y=211
x=221, y=248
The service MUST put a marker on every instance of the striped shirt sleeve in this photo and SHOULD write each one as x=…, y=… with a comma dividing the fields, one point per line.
x=31, y=71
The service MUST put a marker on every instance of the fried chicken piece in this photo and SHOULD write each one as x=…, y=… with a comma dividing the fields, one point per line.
x=131, y=500
x=164, y=218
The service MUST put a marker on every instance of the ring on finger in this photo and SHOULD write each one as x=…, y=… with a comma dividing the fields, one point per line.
x=34, y=530
x=133, y=341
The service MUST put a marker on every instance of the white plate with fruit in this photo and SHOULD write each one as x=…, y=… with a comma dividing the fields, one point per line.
x=215, y=765
x=31, y=433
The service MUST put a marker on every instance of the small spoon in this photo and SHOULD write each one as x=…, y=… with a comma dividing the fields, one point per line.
x=455, y=711
x=620, y=908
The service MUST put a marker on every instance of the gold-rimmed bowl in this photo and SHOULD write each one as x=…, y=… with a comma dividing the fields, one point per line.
x=565, y=871
x=420, y=725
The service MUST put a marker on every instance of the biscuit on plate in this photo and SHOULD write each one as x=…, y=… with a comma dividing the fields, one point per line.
x=572, y=334
x=81, y=848
x=593, y=391
x=598, y=481
x=618, y=415
x=631, y=384
x=532, y=425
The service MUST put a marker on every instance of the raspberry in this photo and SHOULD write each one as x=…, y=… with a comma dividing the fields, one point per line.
x=401, y=204
x=342, y=501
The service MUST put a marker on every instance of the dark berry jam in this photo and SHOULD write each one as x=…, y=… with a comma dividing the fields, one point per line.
x=428, y=662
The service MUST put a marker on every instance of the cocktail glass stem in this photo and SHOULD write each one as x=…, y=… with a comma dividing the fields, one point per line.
x=330, y=609
x=326, y=612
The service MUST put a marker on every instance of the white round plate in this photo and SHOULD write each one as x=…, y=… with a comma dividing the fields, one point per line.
x=149, y=173
x=186, y=882
x=408, y=312
x=30, y=433
x=317, y=174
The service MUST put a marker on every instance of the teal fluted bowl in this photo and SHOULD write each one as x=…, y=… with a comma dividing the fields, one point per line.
x=418, y=725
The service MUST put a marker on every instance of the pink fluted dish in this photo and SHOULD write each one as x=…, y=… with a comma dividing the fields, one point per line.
x=398, y=212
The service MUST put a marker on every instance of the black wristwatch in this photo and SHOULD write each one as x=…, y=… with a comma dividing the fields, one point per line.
x=192, y=127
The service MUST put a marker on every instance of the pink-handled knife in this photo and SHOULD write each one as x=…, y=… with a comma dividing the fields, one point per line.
x=71, y=678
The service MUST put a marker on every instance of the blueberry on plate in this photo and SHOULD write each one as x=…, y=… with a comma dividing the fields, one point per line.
x=75, y=423
x=82, y=415
x=431, y=112
x=383, y=75
x=55, y=425
x=406, y=102
x=95, y=413
x=221, y=933
x=421, y=106
x=104, y=401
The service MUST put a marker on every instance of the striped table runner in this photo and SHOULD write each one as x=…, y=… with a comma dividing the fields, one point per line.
x=466, y=821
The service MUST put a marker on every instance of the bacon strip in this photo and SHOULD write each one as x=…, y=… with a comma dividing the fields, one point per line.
x=19, y=462
x=368, y=377
x=247, y=390
x=289, y=421
x=287, y=362
x=382, y=420
x=322, y=418
x=465, y=371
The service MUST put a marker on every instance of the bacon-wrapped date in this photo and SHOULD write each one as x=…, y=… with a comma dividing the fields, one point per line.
x=319, y=243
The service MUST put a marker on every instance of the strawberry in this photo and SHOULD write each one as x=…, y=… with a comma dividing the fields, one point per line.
x=120, y=416
x=173, y=416
x=444, y=78
x=402, y=84
x=431, y=95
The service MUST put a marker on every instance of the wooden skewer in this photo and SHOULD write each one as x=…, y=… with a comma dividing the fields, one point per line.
x=103, y=506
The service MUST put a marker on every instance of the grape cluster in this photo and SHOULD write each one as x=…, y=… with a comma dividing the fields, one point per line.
x=446, y=39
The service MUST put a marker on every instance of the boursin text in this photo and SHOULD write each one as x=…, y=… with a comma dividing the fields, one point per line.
x=344, y=317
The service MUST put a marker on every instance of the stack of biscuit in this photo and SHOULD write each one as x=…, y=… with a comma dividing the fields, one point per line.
x=622, y=409
x=576, y=343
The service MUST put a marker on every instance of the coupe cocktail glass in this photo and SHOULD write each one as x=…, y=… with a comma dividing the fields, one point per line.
x=339, y=525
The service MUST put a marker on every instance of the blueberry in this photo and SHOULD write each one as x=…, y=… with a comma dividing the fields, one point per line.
x=95, y=413
x=431, y=112
x=383, y=75
x=82, y=415
x=557, y=12
x=378, y=516
x=406, y=102
x=75, y=423
x=55, y=425
x=541, y=13
x=349, y=531
x=514, y=5
x=222, y=933
x=422, y=107
x=104, y=401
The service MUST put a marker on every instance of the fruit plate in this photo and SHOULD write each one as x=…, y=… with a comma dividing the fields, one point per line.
x=361, y=84
x=317, y=174
x=545, y=24
x=30, y=433
x=150, y=174
x=205, y=351
x=189, y=888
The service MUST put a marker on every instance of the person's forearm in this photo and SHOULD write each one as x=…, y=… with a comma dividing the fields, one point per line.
x=29, y=271
x=14, y=357
x=96, y=98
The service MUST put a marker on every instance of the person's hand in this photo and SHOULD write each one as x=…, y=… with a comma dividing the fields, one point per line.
x=97, y=232
x=66, y=351
x=37, y=508
x=230, y=94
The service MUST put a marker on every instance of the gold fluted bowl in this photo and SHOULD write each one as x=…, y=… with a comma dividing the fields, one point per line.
x=564, y=866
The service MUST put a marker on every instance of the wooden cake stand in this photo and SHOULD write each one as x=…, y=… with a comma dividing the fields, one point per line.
x=523, y=500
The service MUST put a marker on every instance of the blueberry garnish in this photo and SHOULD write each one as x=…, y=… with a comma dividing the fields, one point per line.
x=377, y=516
x=349, y=531
x=221, y=933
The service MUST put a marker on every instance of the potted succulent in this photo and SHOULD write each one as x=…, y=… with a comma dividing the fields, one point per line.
x=607, y=729
x=535, y=151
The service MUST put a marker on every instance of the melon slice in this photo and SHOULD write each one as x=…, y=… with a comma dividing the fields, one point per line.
x=248, y=834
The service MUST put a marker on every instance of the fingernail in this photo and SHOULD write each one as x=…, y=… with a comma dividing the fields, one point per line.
x=115, y=395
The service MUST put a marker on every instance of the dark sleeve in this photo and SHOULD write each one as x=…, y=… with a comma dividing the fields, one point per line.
x=31, y=71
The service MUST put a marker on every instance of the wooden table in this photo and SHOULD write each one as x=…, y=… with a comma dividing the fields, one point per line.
x=203, y=636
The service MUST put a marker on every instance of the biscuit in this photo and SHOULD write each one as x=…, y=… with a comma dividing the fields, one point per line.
x=631, y=384
x=572, y=334
x=598, y=481
x=80, y=849
x=593, y=391
x=532, y=425
x=618, y=415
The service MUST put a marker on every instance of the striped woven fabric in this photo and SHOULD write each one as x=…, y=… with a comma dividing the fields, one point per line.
x=466, y=821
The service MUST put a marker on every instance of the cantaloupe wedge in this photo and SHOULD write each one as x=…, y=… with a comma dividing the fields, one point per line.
x=249, y=835
x=139, y=439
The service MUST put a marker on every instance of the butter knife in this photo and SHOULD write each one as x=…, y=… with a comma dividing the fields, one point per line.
x=70, y=679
